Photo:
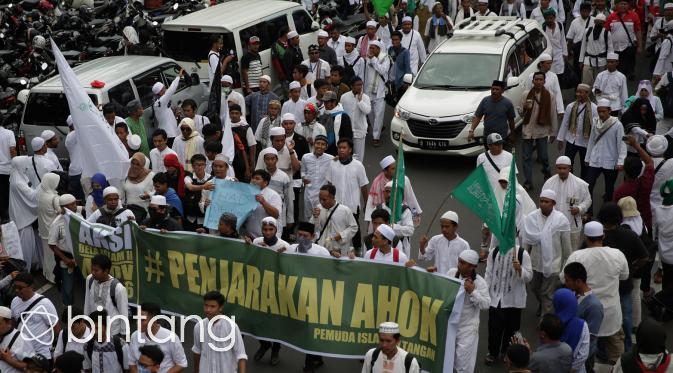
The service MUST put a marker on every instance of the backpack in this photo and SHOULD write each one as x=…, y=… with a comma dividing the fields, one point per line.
x=113, y=287
x=407, y=360
x=349, y=71
x=519, y=256
x=17, y=320
x=118, y=343
x=192, y=199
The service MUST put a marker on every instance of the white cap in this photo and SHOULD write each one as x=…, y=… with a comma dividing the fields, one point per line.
x=66, y=199
x=371, y=24
x=221, y=157
x=548, y=193
x=110, y=190
x=323, y=34
x=288, y=117
x=295, y=85
x=387, y=161
x=388, y=185
x=36, y=143
x=563, y=160
x=292, y=34
x=494, y=138
x=603, y=102
x=266, y=151
x=157, y=87
x=6, y=314
x=265, y=77
x=599, y=17
x=545, y=57
x=69, y=121
x=668, y=6
x=47, y=135
x=227, y=79
x=612, y=56
x=134, y=142
x=386, y=232
x=270, y=221
x=504, y=174
x=277, y=131
x=469, y=256
x=450, y=215
x=593, y=229
x=483, y=2
x=407, y=19
x=387, y=327
x=350, y=40
x=657, y=144
x=376, y=43
x=158, y=200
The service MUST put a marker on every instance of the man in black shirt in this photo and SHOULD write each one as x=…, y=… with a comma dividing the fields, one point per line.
x=159, y=218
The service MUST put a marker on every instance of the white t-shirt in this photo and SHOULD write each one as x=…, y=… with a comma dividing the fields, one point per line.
x=38, y=322
x=348, y=179
x=7, y=141
x=20, y=350
x=174, y=354
x=71, y=345
x=390, y=257
x=157, y=159
x=106, y=352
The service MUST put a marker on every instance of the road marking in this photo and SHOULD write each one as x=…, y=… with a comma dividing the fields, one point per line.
x=44, y=288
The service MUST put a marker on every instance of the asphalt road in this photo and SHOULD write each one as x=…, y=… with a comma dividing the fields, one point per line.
x=433, y=177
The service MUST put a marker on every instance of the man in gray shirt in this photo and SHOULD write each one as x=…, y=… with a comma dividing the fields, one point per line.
x=497, y=112
x=552, y=355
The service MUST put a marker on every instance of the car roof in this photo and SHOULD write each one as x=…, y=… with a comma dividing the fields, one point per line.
x=231, y=15
x=479, y=36
x=109, y=70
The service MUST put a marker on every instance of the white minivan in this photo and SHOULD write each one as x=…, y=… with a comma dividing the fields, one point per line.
x=187, y=39
x=435, y=113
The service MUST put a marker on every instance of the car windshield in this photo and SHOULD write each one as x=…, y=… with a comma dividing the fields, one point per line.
x=193, y=46
x=458, y=71
x=48, y=109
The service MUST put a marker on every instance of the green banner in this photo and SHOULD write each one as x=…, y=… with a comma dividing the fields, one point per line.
x=315, y=304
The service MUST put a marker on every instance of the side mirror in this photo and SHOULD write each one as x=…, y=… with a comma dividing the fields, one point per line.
x=195, y=79
x=407, y=78
x=315, y=26
x=512, y=81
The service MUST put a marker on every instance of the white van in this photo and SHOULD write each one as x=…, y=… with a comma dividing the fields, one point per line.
x=187, y=39
x=435, y=113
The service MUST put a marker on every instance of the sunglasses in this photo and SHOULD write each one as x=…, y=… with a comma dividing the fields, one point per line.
x=185, y=129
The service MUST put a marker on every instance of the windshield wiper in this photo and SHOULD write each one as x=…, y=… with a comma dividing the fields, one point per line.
x=438, y=86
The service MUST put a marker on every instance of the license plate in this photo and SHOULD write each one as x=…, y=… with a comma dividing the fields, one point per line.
x=433, y=144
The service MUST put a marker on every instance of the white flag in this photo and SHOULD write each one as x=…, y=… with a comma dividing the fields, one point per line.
x=99, y=147
x=228, y=142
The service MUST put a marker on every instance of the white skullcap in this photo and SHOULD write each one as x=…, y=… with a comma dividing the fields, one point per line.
x=350, y=40
x=612, y=56
x=388, y=185
x=504, y=174
x=545, y=57
x=47, y=135
x=407, y=19
x=469, y=256
x=323, y=34
x=288, y=117
x=483, y=2
x=276, y=131
x=371, y=24
x=158, y=200
x=110, y=190
x=387, y=327
x=69, y=121
x=6, y=314
x=270, y=221
x=157, y=87
x=599, y=17
x=36, y=143
x=66, y=199
x=603, y=102
x=386, y=232
x=292, y=34
x=376, y=43
x=593, y=229
x=267, y=151
x=668, y=6
x=563, y=160
x=450, y=215
x=265, y=77
x=227, y=79
x=134, y=142
x=548, y=193
x=387, y=161
x=295, y=85
x=657, y=144
x=221, y=157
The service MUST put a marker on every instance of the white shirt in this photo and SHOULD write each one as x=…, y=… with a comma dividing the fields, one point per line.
x=50, y=155
x=75, y=155
x=180, y=149
x=578, y=28
x=413, y=41
x=375, y=72
x=282, y=184
x=575, y=190
x=316, y=70
x=339, y=47
x=38, y=323
x=664, y=173
x=314, y=250
x=610, y=151
x=99, y=295
x=296, y=108
x=109, y=363
x=665, y=61
x=475, y=302
x=389, y=257
x=20, y=350
x=357, y=110
x=342, y=223
x=576, y=138
x=559, y=48
x=348, y=179
x=608, y=266
x=253, y=224
x=199, y=122
x=592, y=49
x=404, y=228
x=502, y=160
x=71, y=345
x=664, y=232
x=7, y=141
x=174, y=354
x=620, y=38
x=460, y=14
x=383, y=364
x=444, y=252
x=133, y=191
x=157, y=159
x=213, y=65
x=314, y=168
x=214, y=361
x=164, y=114
x=613, y=87
x=506, y=287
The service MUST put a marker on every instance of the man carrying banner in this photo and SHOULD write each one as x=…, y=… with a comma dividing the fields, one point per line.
x=270, y=204
x=388, y=357
x=269, y=238
x=444, y=248
x=334, y=223
x=159, y=217
x=305, y=245
x=113, y=213
x=404, y=227
x=382, y=250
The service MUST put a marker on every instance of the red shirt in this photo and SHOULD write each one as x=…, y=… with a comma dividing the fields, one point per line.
x=639, y=189
x=630, y=15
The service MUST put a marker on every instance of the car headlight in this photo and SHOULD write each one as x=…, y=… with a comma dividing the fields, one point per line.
x=401, y=113
x=467, y=118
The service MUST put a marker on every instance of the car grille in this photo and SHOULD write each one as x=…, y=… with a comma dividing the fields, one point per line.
x=441, y=130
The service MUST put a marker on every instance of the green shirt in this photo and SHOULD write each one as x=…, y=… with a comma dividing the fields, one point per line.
x=137, y=127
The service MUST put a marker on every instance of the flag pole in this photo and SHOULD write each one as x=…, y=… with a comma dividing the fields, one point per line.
x=439, y=208
x=393, y=208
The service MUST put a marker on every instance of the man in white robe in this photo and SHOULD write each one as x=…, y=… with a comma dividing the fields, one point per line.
x=314, y=166
x=611, y=84
x=382, y=248
x=388, y=357
x=444, y=248
x=556, y=35
x=495, y=158
x=412, y=40
x=376, y=69
x=23, y=211
x=546, y=235
x=295, y=104
x=575, y=127
x=40, y=163
x=572, y=197
x=404, y=228
x=334, y=223
x=51, y=141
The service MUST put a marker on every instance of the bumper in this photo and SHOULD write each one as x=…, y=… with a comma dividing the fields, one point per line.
x=457, y=145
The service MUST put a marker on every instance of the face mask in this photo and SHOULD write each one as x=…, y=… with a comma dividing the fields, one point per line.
x=142, y=369
x=304, y=244
x=226, y=90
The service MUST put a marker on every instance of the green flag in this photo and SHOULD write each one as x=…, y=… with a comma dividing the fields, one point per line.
x=508, y=236
x=381, y=7
x=476, y=193
x=397, y=195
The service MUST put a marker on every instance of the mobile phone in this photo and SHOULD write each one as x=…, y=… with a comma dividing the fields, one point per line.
x=518, y=336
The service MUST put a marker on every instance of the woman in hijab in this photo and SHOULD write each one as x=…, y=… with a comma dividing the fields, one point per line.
x=131, y=39
x=188, y=144
x=138, y=186
x=95, y=199
x=48, y=209
x=639, y=121
x=649, y=354
x=23, y=211
x=175, y=173
x=575, y=330
x=645, y=92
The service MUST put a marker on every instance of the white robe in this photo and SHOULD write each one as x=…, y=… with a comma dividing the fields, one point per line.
x=546, y=233
x=218, y=360
x=23, y=210
x=574, y=190
x=313, y=169
x=342, y=222
x=613, y=87
x=48, y=209
x=444, y=252
x=394, y=365
x=559, y=48
x=413, y=41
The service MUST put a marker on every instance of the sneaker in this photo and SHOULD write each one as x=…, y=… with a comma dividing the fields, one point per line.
x=275, y=359
x=489, y=359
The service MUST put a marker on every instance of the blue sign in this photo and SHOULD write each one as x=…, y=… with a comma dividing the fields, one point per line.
x=230, y=196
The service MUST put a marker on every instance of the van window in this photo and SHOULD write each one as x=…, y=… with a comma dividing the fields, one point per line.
x=48, y=109
x=170, y=72
x=267, y=31
x=302, y=21
x=144, y=85
x=512, y=67
x=536, y=44
x=193, y=46
x=121, y=95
